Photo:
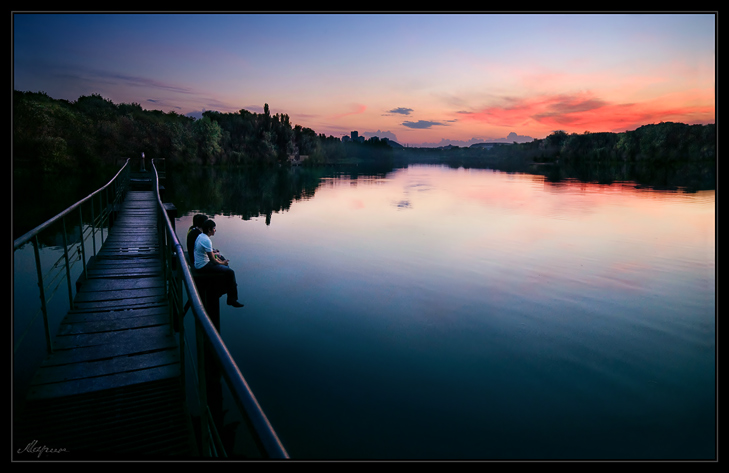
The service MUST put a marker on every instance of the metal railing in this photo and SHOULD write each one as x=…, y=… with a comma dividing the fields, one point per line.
x=208, y=341
x=100, y=206
x=94, y=215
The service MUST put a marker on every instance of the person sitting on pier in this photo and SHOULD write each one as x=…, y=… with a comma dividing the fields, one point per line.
x=192, y=233
x=206, y=261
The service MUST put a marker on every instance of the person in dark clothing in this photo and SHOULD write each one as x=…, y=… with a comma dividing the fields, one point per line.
x=192, y=234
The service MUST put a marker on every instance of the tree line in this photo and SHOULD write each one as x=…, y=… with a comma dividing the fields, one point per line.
x=657, y=143
x=662, y=144
x=92, y=132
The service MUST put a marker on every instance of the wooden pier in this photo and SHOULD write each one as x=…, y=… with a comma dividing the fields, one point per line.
x=112, y=387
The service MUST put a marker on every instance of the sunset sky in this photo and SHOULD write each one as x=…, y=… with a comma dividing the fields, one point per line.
x=419, y=79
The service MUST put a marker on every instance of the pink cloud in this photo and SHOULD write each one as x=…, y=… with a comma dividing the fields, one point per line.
x=584, y=111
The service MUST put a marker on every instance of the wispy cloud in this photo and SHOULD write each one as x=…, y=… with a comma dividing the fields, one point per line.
x=357, y=109
x=148, y=83
x=158, y=103
x=120, y=79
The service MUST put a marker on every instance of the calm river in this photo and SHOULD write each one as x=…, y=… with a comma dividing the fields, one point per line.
x=439, y=313
x=428, y=312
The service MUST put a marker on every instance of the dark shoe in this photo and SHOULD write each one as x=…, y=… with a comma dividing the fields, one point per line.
x=235, y=304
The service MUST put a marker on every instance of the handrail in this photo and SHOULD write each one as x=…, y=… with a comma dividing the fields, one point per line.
x=238, y=386
x=65, y=262
x=20, y=241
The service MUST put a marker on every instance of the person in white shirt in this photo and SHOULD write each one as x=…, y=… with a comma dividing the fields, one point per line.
x=206, y=261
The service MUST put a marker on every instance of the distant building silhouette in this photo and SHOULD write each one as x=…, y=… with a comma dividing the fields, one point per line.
x=354, y=137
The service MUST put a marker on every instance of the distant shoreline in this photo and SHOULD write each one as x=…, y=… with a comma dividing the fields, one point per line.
x=58, y=136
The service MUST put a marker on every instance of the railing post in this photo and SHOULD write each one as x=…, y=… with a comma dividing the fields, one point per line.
x=181, y=328
x=68, y=268
x=202, y=390
x=83, y=244
x=170, y=262
x=93, y=227
x=101, y=220
x=44, y=309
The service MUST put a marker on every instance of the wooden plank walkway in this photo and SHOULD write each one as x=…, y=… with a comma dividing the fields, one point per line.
x=112, y=387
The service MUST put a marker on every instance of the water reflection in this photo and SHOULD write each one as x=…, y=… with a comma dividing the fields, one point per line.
x=435, y=312
x=38, y=197
x=689, y=176
x=263, y=192
x=252, y=193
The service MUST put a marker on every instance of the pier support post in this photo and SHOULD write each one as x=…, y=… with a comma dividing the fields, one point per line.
x=210, y=294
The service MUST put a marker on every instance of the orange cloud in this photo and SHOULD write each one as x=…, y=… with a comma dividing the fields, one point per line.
x=580, y=112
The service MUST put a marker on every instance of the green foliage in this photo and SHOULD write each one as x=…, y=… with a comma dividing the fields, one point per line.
x=43, y=128
x=670, y=141
x=659, y=143
x=208, y=134
x=554, y=142
x=57, y=135
x=599, y=146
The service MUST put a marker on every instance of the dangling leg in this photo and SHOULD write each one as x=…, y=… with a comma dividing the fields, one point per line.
x=232, y=288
